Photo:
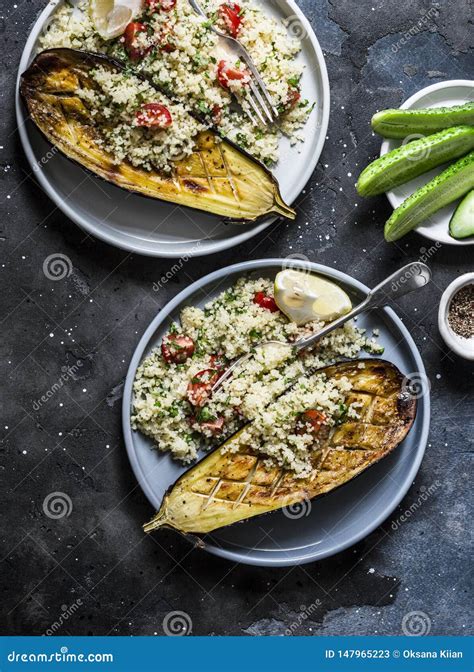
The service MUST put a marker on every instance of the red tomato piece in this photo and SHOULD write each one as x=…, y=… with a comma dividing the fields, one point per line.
x=165, y=38
x=213, y=426
x=165, y=5
x=230, y=15
x=176, y=348
x=216, y=114
x=200, y=387
x=218, y=362
x=154, y=115
x=132, y=31
x=266, y=302
x=294, y=97
x=310, y=422
x=227, y=73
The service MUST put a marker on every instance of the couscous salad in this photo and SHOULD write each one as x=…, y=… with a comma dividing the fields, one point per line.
x=180, y=53
x=173, y=403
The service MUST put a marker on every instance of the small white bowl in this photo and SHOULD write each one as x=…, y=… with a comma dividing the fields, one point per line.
x=464, y=347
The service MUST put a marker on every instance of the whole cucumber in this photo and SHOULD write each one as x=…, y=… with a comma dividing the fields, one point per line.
x=415, y=158
x=445, y=188
x=401, y=123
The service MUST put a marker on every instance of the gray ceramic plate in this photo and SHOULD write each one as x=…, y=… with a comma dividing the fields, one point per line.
x=334, y=521
x=159, y=229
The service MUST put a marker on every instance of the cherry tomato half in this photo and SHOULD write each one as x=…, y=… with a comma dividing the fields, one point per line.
x=132, y=31
x=154, y=115
x=216, y=114
x=310, y=422
x=166, y=39
x=176, y=348
x=218, y=362
x=230, y=15
x=200, y=387
x=266, y=302
x=214, y=427
x=227, y=73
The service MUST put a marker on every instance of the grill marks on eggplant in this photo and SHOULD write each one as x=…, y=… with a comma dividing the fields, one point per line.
x=217, y=177
x=225, y=488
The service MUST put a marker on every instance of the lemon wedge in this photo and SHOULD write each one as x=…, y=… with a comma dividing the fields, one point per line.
x=111, y=17
x=303, y=297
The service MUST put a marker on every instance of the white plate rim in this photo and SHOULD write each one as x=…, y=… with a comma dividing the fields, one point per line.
x=151, y=249
x=243, y=267
x=387, y=146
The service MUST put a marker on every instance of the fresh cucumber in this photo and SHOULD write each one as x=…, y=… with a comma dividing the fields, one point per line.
x=401, y=123
x=445, y=188
x=415, y=158
x=461, y=224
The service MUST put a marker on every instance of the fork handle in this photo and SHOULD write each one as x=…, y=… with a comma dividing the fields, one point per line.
x=307, y=342
x=197, y=8
x=407, y=279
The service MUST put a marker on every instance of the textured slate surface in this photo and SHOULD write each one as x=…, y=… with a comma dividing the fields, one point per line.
x=94, y=572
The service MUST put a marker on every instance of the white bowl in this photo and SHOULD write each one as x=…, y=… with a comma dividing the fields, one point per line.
x=464, y=347
x=443, y=94
x=159, y=229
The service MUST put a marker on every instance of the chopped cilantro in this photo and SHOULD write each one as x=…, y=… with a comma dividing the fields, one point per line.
x=255, y=334
x=294, y=81
x=205, y=415
x=242, y=139
x=342, y=414
x=203, y=107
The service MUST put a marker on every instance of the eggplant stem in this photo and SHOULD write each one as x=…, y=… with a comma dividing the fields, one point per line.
x=160, y=520
x=281, y=208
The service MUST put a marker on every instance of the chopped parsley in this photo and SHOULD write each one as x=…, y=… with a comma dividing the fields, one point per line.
x=205, y=415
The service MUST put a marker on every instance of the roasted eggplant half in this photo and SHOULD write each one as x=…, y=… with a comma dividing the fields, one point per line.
x=217, y=177
x=226, y=487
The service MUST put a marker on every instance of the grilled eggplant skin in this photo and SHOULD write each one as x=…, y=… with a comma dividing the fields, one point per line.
x=225, y=488
x=218, y=177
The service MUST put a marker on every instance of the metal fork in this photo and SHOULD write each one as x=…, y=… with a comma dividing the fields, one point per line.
x=257, y=95
x=407, y=279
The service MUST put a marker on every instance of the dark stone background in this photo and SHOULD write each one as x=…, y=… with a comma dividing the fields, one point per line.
x=128, y=582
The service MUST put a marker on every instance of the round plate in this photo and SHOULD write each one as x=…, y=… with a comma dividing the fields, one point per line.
x=444, y=94
x=159, y=229
x=335, y=521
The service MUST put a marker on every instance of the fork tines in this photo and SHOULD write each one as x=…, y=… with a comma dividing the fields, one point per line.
x=257, y=95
